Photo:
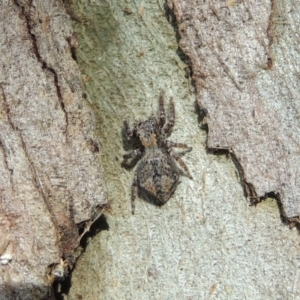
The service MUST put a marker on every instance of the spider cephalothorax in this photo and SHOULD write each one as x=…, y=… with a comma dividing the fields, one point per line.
x=147, y=133
x=157, y=174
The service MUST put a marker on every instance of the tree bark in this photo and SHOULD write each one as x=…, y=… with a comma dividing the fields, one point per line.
x=51, y=180
x=240, y=61
x=206, y=241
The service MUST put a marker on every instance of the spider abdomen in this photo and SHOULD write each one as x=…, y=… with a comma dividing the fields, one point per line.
x=157, y=176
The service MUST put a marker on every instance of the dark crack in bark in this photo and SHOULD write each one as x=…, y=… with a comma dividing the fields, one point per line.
x=42, y=62
x=2, y=147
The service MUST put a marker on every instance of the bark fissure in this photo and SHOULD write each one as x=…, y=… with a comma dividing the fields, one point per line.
x=270, y=33
x=59, y=95
x=50, y=183
x=244, y=119
x=248, y=186
x=43, y=62
x=229, y=73
x=7, y=109
x=3, y=150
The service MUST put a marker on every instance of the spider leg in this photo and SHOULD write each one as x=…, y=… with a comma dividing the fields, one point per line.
x=170, y=144
x=130, y=132
x=182, y=153
x=167, y=130
x=133, y=193
x=183, y=165
x=132, y=154
x=162, y=115
x=177, y=157
x=131, y=158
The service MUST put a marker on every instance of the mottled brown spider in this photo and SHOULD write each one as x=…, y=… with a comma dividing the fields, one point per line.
x=157, y=173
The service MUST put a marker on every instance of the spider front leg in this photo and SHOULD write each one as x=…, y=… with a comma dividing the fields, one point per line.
x=167, y=130
x=129, y=132
x=134, y=155
x=133, y=193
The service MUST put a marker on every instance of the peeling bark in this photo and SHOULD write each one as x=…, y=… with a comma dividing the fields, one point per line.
x=242, y=56
x=51, y=180
x=206, y=241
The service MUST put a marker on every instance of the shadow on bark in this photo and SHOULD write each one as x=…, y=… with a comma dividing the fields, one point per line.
x=21, y=292
x=62, y=287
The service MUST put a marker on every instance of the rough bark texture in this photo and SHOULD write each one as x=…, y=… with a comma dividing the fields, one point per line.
x=50, y=178
x=241, y=53
x=206, y=242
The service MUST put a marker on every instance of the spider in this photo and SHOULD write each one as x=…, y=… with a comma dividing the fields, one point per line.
x=157, y=173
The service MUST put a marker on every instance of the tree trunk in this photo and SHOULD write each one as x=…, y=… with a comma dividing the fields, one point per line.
x=206, y=241
x=237, y=59
x=51, y=179
x=241, y=55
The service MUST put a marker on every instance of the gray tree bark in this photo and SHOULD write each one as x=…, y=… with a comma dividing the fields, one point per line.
x=51, y=180
x=206, y=241
x=242, y=61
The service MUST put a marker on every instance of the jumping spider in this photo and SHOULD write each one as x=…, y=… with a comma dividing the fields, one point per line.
x=157, y=174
